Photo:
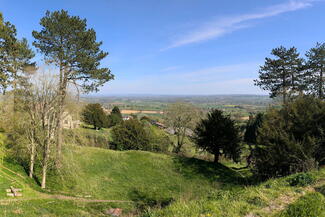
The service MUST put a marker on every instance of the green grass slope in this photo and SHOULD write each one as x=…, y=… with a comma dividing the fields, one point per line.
x=130, y=175
x=151, y=184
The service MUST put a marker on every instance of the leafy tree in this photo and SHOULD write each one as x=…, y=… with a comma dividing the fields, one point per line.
x=291, y=139
x=181, y=117
x=282, y=75
x=94, y=114
x=130, y=135
x=115, y=117
x=316, y=69
x=67, y=43
x=218, y=135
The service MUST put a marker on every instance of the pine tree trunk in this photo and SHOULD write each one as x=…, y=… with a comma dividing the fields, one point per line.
x=59, y=135
x=62, y=95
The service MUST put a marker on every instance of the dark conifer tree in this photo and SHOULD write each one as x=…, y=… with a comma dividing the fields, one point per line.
x=218, y=135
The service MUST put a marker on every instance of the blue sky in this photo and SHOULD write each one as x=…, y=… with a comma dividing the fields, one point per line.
x=184, y=46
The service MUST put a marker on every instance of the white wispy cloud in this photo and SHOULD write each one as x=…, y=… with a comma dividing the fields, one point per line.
x=219, y=27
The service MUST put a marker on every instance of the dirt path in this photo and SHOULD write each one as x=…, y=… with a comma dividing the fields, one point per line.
x=280, y=203
x=64, y=197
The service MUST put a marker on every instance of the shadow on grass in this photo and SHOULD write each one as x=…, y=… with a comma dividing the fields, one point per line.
x=321, y=189
x=214, y=172
x=146, y=200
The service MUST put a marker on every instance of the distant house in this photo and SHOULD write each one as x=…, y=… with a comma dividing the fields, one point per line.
x=126, y=118
x=68, y=122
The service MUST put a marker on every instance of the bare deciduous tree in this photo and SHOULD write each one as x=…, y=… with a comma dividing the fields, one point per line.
x=181, y=117
x=39, y=99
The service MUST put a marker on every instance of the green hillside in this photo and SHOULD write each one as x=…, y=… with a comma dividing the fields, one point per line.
x=149, y=184
x=108, y=174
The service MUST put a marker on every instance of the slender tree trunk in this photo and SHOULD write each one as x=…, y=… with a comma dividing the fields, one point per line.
x=46, y=156
x=32, y=157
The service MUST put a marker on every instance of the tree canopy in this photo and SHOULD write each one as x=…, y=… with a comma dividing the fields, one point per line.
x=94, y=114
x=130, y=135
x=315, y=70
x=283, y=75
x=67, y=42
x=181, y=117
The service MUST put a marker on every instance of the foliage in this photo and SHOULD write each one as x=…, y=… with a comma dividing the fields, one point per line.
x=282, y=75
x=302, y=179
x=15, y=56
x=181, y=117
x=291, y=139
x=251, y=134
x=115, y=117
x=218, y=135
x=67, y=42
x=309, y=205
x=252, y=126
x=130, y=135
x=315, y=70
x=159, y=140
x=94, y=114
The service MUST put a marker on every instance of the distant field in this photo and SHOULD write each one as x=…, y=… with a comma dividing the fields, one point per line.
x=129, y=111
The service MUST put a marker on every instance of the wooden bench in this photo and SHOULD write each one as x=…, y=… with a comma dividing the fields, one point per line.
x=14, y=192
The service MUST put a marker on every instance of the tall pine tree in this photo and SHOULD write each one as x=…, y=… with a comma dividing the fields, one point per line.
x=316, y=70
x=283, y=75
x=67, y=42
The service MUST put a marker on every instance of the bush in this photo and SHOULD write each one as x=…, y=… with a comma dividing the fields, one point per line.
x=130, y=135
x=310, y=205
x=159, y=140
x=291, y=139
x=302, y=179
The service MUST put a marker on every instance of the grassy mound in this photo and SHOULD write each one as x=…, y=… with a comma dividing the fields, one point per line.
x=130, y=175
x=151, y=184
